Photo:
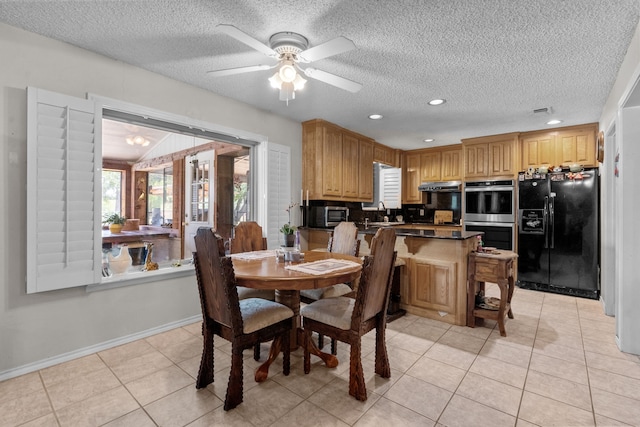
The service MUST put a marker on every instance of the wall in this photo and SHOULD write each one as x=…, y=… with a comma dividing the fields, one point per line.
x=619, y=241
x=37, y=327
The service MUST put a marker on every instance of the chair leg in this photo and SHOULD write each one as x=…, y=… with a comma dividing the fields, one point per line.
x=334, y=346
x=235, y=386
x=256, y=352
x=357, y=387
x=286, y=353
x=307, y=356
x=320, y=341
x=382, y=366
x=205, y=374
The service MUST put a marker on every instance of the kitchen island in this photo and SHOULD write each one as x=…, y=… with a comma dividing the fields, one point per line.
x=433, y=281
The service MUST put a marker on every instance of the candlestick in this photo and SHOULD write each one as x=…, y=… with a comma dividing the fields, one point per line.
x=307, y=197
x=301, y=199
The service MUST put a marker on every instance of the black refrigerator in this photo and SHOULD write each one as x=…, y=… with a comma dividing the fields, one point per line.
x=558, y=233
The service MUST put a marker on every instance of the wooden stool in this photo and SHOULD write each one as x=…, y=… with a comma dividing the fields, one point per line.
x=490, y=267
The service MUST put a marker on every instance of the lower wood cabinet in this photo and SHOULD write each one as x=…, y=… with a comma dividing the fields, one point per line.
x=433, y=284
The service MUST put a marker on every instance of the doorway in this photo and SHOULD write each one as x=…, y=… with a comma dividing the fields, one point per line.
x=199, y=189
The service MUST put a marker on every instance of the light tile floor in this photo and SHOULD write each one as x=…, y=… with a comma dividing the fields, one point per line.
x=559, y=365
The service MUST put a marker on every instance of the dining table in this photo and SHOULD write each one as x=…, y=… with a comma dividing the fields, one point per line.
x=316, y=269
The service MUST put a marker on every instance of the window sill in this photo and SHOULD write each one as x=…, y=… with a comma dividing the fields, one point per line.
x=135, y=277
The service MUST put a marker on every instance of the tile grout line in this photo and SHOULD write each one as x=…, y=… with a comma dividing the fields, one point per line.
x=526, y=376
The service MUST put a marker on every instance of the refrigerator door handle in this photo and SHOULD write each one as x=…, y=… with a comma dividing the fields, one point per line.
x=551, y=221
x=545, y=219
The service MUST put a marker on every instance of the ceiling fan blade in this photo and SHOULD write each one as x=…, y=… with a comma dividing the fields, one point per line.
x=239, y=70
x=245, y=38
x=324, y=50
x=332, y=79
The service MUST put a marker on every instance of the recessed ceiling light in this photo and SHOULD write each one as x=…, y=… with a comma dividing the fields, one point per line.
x=437, y=101
x=554, y=122
x=375, y=116
x=429, y=140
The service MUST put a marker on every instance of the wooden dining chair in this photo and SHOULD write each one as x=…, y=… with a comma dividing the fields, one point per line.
x=247, y=237
x=348, y=319
x=343, y=240
x=242, y=322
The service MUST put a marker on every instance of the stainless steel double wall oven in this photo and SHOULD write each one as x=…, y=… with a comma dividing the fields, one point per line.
x=490, y=207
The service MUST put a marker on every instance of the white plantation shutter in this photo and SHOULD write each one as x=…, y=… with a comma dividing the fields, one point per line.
x=278, y=192
x=63, y=191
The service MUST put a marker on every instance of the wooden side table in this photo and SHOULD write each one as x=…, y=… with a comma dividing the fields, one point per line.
x=490, y=267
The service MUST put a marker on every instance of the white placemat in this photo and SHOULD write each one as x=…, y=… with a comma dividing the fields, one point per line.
x=254, y=255
x=324, y=266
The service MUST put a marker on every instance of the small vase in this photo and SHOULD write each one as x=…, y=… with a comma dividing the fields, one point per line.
x=289, y=240
x=121, y=263
x=115, y=228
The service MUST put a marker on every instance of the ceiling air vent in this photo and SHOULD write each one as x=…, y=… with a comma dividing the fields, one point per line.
x=545, y=110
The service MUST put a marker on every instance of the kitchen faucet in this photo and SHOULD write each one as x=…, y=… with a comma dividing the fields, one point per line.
x=383, y=206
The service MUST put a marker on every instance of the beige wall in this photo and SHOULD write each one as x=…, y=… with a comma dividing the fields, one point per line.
x=41, y=326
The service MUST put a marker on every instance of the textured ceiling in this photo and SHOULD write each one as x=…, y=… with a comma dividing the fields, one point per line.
x=494, y=61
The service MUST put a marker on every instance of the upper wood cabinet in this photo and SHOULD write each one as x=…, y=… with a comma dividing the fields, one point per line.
x=386, y=155
x=350, y=159
x=560, y=146
x=337, y=164
x=490, y=156
x=365, y=173
x=411, y=179
x=451, y=166
x=429, y=165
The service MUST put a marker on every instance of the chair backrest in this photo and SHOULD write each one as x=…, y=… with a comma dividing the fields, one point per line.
x=344, y=239
x=375, y=283
x=216, y=279
x=248, y=237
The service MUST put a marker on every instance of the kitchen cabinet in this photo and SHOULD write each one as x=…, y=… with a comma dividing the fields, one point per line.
x=475, y=161
x=490, y=156
x=560, y=146
x=386, y=155
x=537, y=149
x=430, y=166
x=433, y=284
x=314, y=239
x=337, y=164
x=451, y=165
x=411, y=180
x=350, y=159
x=365, y=170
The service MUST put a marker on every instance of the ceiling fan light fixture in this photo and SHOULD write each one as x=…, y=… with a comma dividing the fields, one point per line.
x=299, y=82
x=287, y=92
x=276, y=81
x=287, y=73
x=137, y=140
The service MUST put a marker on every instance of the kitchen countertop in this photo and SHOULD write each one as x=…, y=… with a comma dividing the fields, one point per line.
x=432, y=234
x=444, y=233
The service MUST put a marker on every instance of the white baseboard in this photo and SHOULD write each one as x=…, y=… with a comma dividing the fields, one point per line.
x=45, y=363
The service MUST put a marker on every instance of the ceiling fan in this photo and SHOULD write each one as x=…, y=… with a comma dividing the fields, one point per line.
x=291, y=50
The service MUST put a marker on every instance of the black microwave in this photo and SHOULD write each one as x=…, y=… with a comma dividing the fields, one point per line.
x=327, y=216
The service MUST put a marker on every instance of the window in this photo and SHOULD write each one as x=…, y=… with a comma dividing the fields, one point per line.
x=111, y=191
x=160, y=197
x=65, y=149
